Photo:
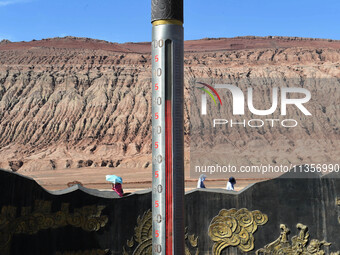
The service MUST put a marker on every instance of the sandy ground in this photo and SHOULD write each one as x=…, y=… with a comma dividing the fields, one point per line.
x=134, y=179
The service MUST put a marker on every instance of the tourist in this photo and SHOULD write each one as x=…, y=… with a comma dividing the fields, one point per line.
x=116, y=184
x=231, y=183
x=200, y=183
x=118, y=188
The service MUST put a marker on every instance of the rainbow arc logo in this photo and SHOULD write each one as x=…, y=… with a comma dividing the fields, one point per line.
x=204, y=96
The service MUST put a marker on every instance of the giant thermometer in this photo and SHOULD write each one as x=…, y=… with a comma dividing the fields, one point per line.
x=167, y=127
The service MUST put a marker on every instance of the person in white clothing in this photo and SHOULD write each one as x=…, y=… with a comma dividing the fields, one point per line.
x=231, y=183
x=200, y=183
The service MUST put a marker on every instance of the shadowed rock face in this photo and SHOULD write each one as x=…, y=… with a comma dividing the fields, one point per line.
x=75, y=102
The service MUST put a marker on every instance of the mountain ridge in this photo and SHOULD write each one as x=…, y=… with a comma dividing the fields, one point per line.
x=204, y=44
x=71, y=103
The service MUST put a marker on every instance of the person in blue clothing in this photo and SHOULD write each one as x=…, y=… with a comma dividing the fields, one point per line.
x=200, y=183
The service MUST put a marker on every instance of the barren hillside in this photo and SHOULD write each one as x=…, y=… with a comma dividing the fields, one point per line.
x=76, y=102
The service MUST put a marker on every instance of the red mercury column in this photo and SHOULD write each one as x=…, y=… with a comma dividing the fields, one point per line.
x=167, y=126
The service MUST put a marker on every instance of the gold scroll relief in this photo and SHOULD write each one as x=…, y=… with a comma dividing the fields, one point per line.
x=31, y=221
x=300, y=244
x=141, y=242
x=235, y=228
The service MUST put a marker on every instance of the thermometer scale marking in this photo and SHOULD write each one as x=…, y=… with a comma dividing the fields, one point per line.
x=167, y=128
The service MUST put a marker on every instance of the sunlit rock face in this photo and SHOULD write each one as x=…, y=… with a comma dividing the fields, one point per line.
x=77, y=102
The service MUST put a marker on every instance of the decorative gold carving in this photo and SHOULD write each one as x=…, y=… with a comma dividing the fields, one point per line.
x=32, y=221
x=282, y=246
x=192, y=240
x=88, y=252
x=235, y=228
x=142, y=239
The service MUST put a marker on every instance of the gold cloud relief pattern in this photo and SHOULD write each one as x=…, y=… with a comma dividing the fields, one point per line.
x=31, y=221
x=235, y=228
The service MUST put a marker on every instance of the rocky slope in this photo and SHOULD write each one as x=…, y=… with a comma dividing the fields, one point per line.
x=77, y=102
